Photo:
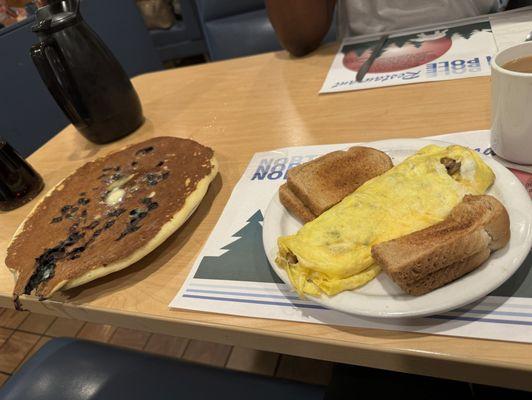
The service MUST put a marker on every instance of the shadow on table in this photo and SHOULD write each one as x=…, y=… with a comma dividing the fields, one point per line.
x=139, y=271
x=87, y=150
x=315, y=111
x=326, y=50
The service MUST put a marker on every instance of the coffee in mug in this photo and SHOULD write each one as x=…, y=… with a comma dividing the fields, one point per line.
x=521, y=64
x=511, y=92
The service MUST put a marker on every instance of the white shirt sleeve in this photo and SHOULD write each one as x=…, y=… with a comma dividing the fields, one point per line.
x=358, y=17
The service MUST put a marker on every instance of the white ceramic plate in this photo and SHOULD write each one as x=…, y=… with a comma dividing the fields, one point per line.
x=381, y=297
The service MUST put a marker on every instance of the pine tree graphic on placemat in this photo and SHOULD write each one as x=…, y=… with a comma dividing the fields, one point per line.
x=244, y=260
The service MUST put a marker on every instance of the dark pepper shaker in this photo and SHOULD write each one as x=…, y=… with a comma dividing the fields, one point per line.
x=19, y=182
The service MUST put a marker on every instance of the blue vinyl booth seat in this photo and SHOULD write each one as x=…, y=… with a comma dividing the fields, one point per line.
x=239, y=28
x=29, y=116
x=183, y=39
x=236, y=28
x=80, y=370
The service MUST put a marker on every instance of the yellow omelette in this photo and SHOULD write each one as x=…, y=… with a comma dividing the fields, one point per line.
x=332, y=253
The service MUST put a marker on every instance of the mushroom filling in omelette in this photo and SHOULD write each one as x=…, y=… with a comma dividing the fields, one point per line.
x=332, y=253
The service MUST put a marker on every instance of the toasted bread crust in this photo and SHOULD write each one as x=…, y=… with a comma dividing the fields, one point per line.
x=294, y=205
x=432, y=257
x=445, y=275
x=321, y=183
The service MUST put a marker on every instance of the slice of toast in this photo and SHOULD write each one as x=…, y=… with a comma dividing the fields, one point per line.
x=445, y=275
x=430, y=258
x=321, y=183
x=294, y=205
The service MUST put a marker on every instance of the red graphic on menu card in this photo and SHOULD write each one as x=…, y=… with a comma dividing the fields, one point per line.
x=394, y=58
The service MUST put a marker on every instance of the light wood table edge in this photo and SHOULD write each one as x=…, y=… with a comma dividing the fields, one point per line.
x=400, y=360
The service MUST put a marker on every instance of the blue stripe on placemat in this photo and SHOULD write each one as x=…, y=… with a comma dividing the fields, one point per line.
x=269, y=303
x=267, y=296
x=239, y=287
x=315, y=306
x=505, y=305
x=487, y=312
x=480, y=319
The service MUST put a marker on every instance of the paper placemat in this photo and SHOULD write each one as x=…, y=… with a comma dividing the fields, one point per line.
x=232, y=274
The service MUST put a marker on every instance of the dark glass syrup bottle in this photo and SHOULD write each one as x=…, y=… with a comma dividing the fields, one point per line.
x=19, y=183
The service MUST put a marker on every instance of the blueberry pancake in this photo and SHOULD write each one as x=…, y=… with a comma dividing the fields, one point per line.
x=108, y=214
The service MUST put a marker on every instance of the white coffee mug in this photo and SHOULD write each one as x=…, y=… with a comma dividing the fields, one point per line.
x=511, y=107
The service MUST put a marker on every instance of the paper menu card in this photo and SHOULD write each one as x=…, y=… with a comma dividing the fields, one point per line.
x=439, y=54
x=460, y=49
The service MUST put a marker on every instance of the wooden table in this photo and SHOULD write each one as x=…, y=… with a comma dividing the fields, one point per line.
x=239, y=107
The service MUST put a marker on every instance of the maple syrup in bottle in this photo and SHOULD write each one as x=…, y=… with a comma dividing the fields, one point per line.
x=19, y=183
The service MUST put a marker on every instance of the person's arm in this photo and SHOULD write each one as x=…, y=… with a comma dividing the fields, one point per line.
x=300, y=25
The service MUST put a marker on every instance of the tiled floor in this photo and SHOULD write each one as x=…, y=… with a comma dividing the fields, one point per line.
x=23, y=333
